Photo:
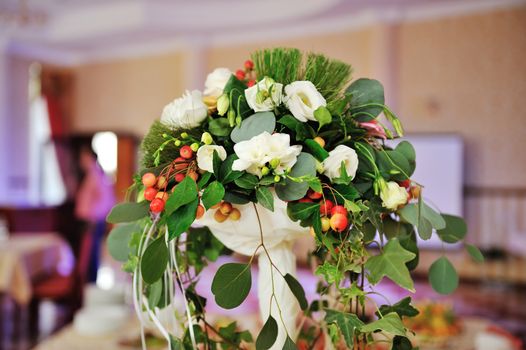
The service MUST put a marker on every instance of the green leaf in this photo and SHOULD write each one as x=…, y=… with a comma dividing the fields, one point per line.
x=317, y=151
x=297, y=290
x=365, y=91
x=226, y=174
x=289, y=121
x=401, y=343
x=203, y=180
x=455, y=229
x=289, y=190
x=409, y=213
x=394, y=165
x=219, y=127
x=154, y=293
x=128, y=212
x=348, y=324
x=475, y=253
x=391, y=263
x=154, y=261
x=237, y=88
x=181, y=219
x=235, y=197
x=119, y=241
x=265, y=198
x=253, y=126
x=407, y=150
x=330, y=272
x=231, y=284
x=216, y=164
x=184, y=193
x=247, y=181
x=443, y=276
x=267, y=336
x=390, y=323
x=323, y=116
x=213, y=194
x=301, y=211
x=289, y=344
x=402, y=308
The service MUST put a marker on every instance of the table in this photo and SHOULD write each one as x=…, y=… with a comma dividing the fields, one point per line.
x=26, y=256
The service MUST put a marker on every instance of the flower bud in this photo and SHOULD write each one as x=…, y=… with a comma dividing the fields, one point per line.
x=206, y=138
x=184, y=135
x=222, y=104
x=265, y=171
x=277, y=178
x=274, y=163
x=177, y=143
x=194, y=146
x=231, y=117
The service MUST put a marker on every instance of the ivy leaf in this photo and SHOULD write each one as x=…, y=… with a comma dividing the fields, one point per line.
x=475, y=253
x=391, y=263
x=247, y=181
x=323, y=116
x=348, y=324
x=289, y=344
x=128, y=212
x=226, y=174
x=402, y=308
x=253, y=126
x=297, y=290
x=231, y=284
x=390, y=323
x=265, y=198
x=119, y=241
x=330, y=272
x=401, y=343
x=443, y=276
x=213, y=194
x=181, y=219
x=267, y=336
x=154, y=261
x=455, y=229
x=184, y=193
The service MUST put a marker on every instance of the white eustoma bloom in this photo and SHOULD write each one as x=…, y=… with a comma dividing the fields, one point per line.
x=265, y=95
x=255, y=153
x=302, y=99
x=186, y=112
x=205, y=156
x=333, y=163
x=393, y=195
x=216, y=81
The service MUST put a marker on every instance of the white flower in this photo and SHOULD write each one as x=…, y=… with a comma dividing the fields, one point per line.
x=205, y=156
x=216, y=81
x=185, y=112
x=302, y=99
x=255, y=153
x=393, y=195
x=333, y=163
x=264, y=96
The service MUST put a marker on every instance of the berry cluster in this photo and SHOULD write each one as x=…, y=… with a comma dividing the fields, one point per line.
x=224, y=210
x=247, y=74
x=333, y=216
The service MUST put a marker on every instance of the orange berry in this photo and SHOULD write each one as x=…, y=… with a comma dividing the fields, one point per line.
x=162, y=195
x=225, y=208
x=234, y=215
x=161, y=181
x=220, y=217
x=216, y=206
x=149, y=179
x=199, y=212
x=314, y=195
x=325, y=224
x=320, y=141
x=193, y=175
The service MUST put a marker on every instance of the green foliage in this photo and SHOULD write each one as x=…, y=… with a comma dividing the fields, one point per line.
x=294, y=187
x=119, y=241
x=247, y=181
x=402, y=308
x=323, y=116
x=391, y=263
x=316, y=150
x=151, y=143
x=128, y=212
x=213, y=194
x=219, y=127
x=367, y=98
x=289, y=344
x=390, y=323
x=235, y=90
x=181, y=219
x=423, y=217
x=267, y=336
x=202, y=245
x=348, y=324
x=297, y=290
x=185, y=192
x=253, y=126
x=226, y=174
x=328, y=75
x=265, y=198
x=455, y=229
x=281, y=64
x=475, y=253
x=154, y=261
x=231, y=284
x=443, y=276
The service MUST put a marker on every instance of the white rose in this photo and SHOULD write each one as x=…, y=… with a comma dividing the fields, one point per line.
x=185, y=112
x=393, y=195
x=255, y=153
x=333, y=163
x=269, y=96
x=216, y=81
x=302, y=99
x=205, y=156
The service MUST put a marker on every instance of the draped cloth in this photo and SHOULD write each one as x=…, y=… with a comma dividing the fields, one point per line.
x=279, y=232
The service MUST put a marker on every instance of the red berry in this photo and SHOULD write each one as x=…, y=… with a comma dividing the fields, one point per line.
x=314, y=195
x=326, y=207
x=157, y=205
x=249, y=64
x=406, y=183
x=150, y=193
x=180, y=163
x=186, y=152
x=240, y=74
x=339, y=209
x=149, y=179
x=339, y=222
x=251, y=83
x=179, y=177
x=305, y=200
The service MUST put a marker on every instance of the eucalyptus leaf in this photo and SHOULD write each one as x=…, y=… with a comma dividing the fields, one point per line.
x=366, y=91
x=119, y=241
x=154, y=261
x=213, y=194
x=253, y=126
x=128, y=212
x=297, y=290
x=443, y=276
x=455, y=229
x=475, y=253
x=289, y=190
x=347, y=323
x=267, y=336
x=289, y=344
x=231, y=284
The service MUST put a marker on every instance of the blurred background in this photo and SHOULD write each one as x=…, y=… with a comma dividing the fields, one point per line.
x=81, y=82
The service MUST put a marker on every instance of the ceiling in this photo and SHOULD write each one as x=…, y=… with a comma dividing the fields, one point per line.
x=75, y=31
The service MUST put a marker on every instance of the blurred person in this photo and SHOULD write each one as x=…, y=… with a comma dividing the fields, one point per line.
x=94, y=199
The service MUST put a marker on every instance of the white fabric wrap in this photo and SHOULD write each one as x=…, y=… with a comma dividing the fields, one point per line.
x=279, y=232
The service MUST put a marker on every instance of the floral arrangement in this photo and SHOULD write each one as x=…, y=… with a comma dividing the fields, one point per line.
x=281, y=148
